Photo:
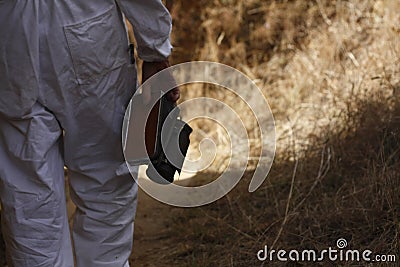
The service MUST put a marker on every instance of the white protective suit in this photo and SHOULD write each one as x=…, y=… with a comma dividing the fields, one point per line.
x=65, y=81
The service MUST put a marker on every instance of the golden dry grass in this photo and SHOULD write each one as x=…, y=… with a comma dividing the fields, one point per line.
x=309, y=57
x=330, y=71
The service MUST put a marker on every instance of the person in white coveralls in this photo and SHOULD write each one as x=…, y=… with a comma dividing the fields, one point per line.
x=66, y=77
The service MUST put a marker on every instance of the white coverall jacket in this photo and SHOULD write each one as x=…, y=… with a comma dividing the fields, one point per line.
x=65, y=81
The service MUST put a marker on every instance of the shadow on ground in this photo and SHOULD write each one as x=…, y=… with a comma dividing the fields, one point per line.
x=344, y=186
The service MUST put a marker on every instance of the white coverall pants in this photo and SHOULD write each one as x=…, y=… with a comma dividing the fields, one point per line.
x=65, y=81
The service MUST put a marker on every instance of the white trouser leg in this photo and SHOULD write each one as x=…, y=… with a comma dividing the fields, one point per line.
x=35, y=223
x=105, y=196
x=103, y=222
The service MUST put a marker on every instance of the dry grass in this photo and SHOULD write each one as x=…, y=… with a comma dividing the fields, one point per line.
x=345, y=187
x=309, y=57
x=330, y=70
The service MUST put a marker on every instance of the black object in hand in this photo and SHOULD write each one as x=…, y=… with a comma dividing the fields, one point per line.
x=171, y=144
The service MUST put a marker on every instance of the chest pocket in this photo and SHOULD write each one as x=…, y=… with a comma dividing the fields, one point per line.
x=97, y=46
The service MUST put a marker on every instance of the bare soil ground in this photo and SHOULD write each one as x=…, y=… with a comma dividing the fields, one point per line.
x=153, y=232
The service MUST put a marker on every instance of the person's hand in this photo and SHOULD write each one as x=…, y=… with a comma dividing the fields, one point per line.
x=151, y=68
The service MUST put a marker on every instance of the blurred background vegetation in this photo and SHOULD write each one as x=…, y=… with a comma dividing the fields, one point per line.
x=330, y=71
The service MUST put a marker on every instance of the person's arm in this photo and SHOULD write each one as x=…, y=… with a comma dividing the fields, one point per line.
x=151, y=23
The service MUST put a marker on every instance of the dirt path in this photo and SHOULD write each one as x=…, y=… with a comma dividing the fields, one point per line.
x=152, y=232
